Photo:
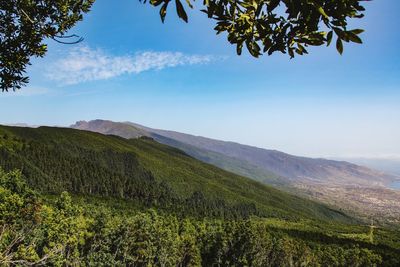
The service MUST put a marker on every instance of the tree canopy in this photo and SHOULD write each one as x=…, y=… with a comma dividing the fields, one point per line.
x=68, y=230
x=24, y=27
x=262, y=26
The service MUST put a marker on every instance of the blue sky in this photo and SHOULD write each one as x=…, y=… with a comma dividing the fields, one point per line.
x=183, y=77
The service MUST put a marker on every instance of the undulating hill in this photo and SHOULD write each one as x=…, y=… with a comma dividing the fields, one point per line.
x=285, y=165
x=269, y=166
x=238, y=166
x=136, y=202
x=270, y=163
x=146, y=172
x=337, y=183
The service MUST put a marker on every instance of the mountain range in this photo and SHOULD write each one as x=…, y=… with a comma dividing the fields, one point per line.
x=338, y=183
x=146, y=173
x=287, y=168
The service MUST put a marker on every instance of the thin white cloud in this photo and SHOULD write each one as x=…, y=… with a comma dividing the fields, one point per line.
x=84, y=64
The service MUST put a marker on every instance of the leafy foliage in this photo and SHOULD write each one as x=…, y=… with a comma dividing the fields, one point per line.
x=68, y=233
x=32, y=233
x=263, y=26
x=24, y=25
x=287, y=26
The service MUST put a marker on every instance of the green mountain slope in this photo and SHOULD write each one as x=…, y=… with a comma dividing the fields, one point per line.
x=231, y=164
x=147, y=172
x=224, y=162
x=295, y=168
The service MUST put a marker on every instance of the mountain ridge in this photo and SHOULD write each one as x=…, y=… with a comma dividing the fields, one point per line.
x=144, y=171
x=288, y=167
x=360, y=191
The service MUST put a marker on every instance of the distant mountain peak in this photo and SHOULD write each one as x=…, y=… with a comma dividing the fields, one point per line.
x=110, y=128
x=79, y=124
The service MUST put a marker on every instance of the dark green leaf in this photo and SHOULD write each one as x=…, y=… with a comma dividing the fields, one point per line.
x=339, y=45
x=239, y=48
x=181, y=11
x=329, y=38
x=163, y=11
x=354, y=38
x=272, y=5
x=357, y=31
x=291, y=53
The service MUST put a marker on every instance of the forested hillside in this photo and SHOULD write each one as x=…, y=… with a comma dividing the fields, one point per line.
x=294, y=168
x=84, y=231
x=138, y=202
x=147, y=173
x=336, y=183
x=239, y=166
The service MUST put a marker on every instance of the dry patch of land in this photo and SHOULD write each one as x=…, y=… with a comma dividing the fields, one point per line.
x=378, y=203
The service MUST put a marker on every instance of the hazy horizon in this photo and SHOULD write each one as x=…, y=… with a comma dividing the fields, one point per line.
x=348, y=157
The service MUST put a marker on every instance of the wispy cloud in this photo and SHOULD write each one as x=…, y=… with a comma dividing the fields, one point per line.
x=84, y=64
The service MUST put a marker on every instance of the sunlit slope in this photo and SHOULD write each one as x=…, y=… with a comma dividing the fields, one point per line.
x=264, y=165
x=230, y=164
x=58, y=159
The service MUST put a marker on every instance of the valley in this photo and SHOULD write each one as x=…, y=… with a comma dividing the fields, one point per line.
x=379, y=204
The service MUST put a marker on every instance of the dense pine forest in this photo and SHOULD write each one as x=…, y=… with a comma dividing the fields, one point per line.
x=76, y=198
x=148, y=173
